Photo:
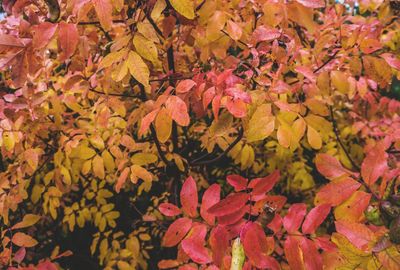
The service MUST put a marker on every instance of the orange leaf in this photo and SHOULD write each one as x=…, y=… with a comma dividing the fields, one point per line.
x=23, y=240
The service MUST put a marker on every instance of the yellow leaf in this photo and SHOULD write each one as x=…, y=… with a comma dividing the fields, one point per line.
x=66, y=175
x=163, y=124
x=37, y=193
x=143, y=158
x=98, y=167
x=138, y=68
x=120, y=71
x=261, y=124
x=184, y=7
x=27, y=221
x=340, y=81
x=8, y=140
x=23, y=240
x=97, y=141
x=108, y=161
x=83, y=152
x=238, y=256
x=314, y=138
x=141, y=173
x=122, y=265
x=111, y=58
x=284, y=134
x=158, y=9
x=146, y=48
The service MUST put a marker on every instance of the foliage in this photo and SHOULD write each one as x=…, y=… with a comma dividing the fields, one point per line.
x=213, y=134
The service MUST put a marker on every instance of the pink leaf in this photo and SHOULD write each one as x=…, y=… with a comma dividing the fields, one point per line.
x=315, y=217
x=312, y=258
x=257, y=248
x=169, y=209
x=146, y=121
x=265, y=184
x=68, y=39
x=219, y=242
x=178, y=110
x=358, y=234
x=210, y=197
x=185, y=86
x=238, y=182
x=337, y=191
x=294, y=217
x=189, y=197
x=293, y=253
x=312, y=3
x=104, y=12
x=42, y=34
x=392, y=60
x=329, y=166
x=374, y=164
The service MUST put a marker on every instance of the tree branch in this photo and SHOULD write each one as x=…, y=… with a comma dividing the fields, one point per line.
x=226, y=151
x=154, y=133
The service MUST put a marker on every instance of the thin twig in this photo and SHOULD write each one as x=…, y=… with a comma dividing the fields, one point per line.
x=229, y=148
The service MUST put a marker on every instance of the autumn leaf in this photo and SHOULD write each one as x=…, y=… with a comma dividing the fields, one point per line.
x=329, y=166
x=210, y=197
x=315, y=217
x=312, y=3
x=176, y=231
x=27, y=221
x=185, y=86
x=294, y=253
x=238, y=182
x=138, y=68
x=357, y=233
x=23, y=240
x=374, y=165
x=184, y=7
x=229, y=205
x=169, y=210
x=68, y=38
x=104, y=12
x=189, y=199
x=163, y=125
x=294, y=217
x=234, y=30
x=178, y=110
x=337, y=191
x=353, y=208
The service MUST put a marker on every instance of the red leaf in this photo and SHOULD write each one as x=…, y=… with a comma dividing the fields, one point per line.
x=374, y=164
x=189, y=197
x=165, y=264
x=276, y=223
x=238, y=182
x=294, y=217
x=210, y=197
x=312, y=258
x=169, y=209
x=392, y=60
x=337, y=191
x=325, y=244
x=184, y=86
x=229, y=205
x=42, y=34
x=265, y=184
x=257, y=248
x=104, y=12
x=193, y=246
x=219, y=242
x=312, y=3
x=315, y=217
x=329, y=166
x=293, y=253
x=236, y=107
x=358, y=234
x=68, y=39
x=178, y=110
x=263, y=33
x=146, y=121
x=176, y=231
x=234, y=217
